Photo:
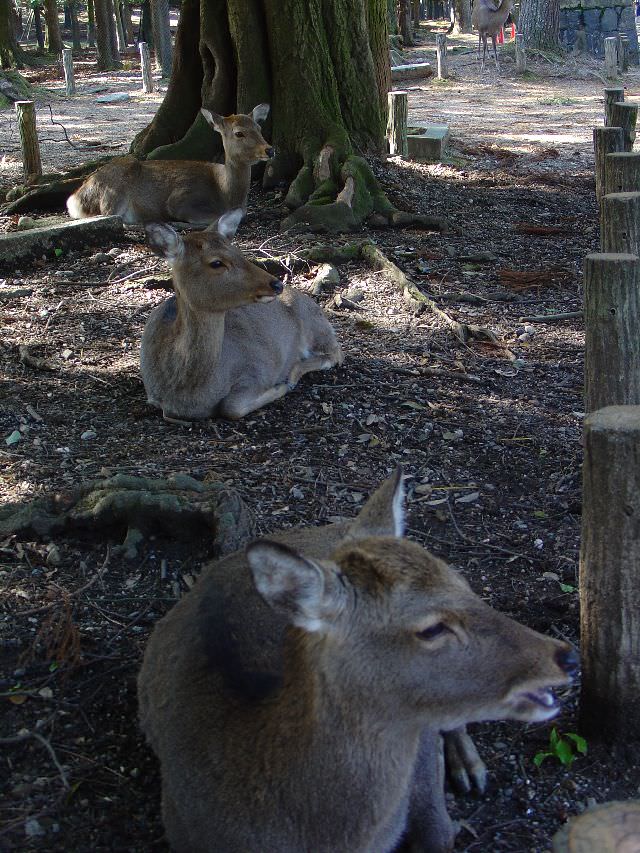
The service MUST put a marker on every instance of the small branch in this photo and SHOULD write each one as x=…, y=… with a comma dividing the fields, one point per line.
x=64, y=130
x=553, y=318
x=18, y=739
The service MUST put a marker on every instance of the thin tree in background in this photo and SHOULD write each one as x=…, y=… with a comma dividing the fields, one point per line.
x=91, y=24
x=53, y=42
x=462, y=10
x=539, y=23
x=11, y=55
x=107, y=58
x=160, y=23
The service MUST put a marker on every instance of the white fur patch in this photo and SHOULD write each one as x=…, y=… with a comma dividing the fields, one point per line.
x=74, y=207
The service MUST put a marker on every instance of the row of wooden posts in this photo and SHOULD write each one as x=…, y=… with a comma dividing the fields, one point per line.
x=26, y=111
x=442, y=68
x=610, y=550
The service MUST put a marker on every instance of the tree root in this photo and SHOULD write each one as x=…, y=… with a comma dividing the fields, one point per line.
x=377, y=260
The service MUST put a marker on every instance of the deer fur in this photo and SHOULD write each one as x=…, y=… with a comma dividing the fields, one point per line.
x=179, y=190
x=488, y=17
x=211, y=349
x=295, y=694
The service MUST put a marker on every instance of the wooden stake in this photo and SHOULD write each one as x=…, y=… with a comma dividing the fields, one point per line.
x=612, y=342
x=620, y=223
x=625, y=115
x=606, y=140
x=609, y=589
x=67, y=64
x=145, y=65
x=26, y=115
x=441, y=55
x=612, y=95
x=623, y=52
x=606, y=827
x=521, y=54
x=611, y=57
x=397, y=123
x=622, y=172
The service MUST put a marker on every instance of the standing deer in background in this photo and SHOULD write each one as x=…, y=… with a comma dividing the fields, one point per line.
x=295, y=695
x=179, y=190
x=209, y=349
x=488, y=17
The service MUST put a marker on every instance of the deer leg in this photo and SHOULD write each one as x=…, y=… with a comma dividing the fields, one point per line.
x=494, y=41
x=307, y=365
x=430, y=828
x=239, y=404
x=465, y=768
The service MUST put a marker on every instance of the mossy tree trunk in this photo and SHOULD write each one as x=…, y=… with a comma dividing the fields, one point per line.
x=11, y=54
x=323, y=65
x=539, y=23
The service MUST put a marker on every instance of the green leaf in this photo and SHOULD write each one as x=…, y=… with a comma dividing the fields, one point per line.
x=57, y=253
x=565, y=753
x=540, y=513
x=580, y=742
x=554, y=737
x=567, y=587
x=539, y=757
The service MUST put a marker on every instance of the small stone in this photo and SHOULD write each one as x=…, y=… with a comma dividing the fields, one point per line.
x=54, y=557
x=14, y=438
x=101, y=258
x=530, y=330
x=538, y=544
x=26, y=222
x=326, y=275
x=355, y=294
x=113, y=98
x=524, y=337
x=33, y=828
x=115, y=252
x=88, y=434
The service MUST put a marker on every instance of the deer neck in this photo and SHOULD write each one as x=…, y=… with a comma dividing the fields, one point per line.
x=194, y=340
x=234, y=181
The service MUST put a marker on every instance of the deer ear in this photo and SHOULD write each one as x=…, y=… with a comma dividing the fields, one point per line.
x=215, y=120
x=228, y=223
x=164, y=241
x=259, y=113
x=308, y=593
x=383, y=513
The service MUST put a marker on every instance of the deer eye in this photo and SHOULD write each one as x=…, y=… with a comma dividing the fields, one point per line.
x=432, y=631
x=239, y=134
x=215, y=264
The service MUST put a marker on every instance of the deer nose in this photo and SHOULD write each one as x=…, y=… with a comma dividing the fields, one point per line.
x=270, y=152
x=276, y=285
x=568, y=660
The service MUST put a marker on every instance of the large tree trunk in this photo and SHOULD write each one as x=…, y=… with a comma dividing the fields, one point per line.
x=54, y=39
x=10, y=53
x=463, y=16
x=539, y=22
x=107, y=57
x=323, y=67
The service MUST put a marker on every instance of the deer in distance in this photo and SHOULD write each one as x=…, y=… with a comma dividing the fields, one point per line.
x=488, y=17
x=179, y=190
x=296, y=694
x=213, y=348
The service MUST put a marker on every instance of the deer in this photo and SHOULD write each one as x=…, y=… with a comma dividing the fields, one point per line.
x=296, y=694
x=179, y=190
x=488, y=17
x=223, y=344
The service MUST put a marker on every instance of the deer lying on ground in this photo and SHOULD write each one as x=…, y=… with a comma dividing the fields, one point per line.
x=295, y=695
x=488, y=17
x=179, y=190
x=212, y=349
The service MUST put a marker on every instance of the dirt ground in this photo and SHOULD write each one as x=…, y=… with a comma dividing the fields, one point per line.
x=489, y=436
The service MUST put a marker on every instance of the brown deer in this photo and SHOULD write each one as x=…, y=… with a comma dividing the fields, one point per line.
x=212, y=349
x=295, y=695
x=179, y=190
x=488, y=17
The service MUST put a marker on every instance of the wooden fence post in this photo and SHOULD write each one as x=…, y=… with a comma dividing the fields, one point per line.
x=145, y=66
x=606, y=140
x=521, y=54
x=622, y=172
x=623, y=52
x=612, y=342
x=397, y=123
x=26, y=115
x=67, y=64
x=620, y=223
x=625, y=115
x=609, y=588
x=441, y=56
x=611, y=57
x=612, y=95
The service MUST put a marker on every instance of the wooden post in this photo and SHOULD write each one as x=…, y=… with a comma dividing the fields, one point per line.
x=441, y=55
x=622, y=172
x=612, y=95
x=611, y=57
x=397, y=123
x=26, y=115
x=521, y=54
x=609, y=588
x=609, y=826
x=625, y=115
x=612, y=342
x=623, y=52
x=620, y=223
x=67, y=64
x=605, y=141
x=145, y=65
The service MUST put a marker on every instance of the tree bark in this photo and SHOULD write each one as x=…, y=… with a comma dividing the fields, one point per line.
x=75, y=25
x=91, y=24
x=127, y=21
x=161, y=35
x=54, y=39
x=107, y=59
x=10, y=53
x=539, y=23
x=37, y=23
x=405, y=23
x=323, y=67
x=463, y=16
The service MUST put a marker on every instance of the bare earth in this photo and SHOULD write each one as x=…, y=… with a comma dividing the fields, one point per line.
x=489, y=436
